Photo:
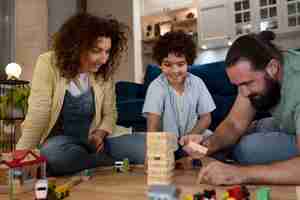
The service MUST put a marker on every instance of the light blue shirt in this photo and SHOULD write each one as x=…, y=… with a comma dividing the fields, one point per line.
x=161, y=100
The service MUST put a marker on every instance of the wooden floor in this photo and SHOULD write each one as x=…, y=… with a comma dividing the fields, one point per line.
x=105, y=185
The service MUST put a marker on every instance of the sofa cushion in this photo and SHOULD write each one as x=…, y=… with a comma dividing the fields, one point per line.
x=128, y=90
x=130, y=113
x=213, y=75
x=223, y=106
x=152, y=72
x=215, y=78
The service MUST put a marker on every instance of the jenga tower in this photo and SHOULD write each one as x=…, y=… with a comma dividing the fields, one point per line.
x=160, y=153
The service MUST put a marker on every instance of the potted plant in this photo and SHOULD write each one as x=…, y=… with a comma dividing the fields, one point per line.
x=13, y=102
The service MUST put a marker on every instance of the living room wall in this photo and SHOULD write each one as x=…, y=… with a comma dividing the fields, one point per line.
x=127, y=11
x=31, y=33
x=284, y=42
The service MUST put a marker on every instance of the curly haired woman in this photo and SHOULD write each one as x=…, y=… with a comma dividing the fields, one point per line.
x=72, y=111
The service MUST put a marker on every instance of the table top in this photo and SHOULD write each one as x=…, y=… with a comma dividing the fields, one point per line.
x=107, y=185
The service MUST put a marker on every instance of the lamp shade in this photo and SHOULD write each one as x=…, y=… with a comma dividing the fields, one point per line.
x=13, y=70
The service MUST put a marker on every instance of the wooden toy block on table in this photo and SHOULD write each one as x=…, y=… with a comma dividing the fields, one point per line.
x=298, y=192
x=198, y=147
x=19, y=171
x=160, y=155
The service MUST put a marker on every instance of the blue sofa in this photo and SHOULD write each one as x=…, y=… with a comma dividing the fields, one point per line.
x=131, y=96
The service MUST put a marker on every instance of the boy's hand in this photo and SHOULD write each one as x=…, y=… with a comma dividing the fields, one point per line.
x=97, y=138
x=185, y=140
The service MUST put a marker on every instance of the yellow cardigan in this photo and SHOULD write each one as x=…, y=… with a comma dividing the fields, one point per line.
x=46, y=99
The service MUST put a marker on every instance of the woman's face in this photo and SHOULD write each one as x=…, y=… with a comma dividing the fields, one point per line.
x=98, y=55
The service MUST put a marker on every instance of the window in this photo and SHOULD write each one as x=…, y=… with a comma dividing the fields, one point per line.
x=268, y=14
x=293, y=11
x=242, y=17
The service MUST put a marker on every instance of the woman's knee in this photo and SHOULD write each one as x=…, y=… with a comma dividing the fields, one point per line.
x=63, y=159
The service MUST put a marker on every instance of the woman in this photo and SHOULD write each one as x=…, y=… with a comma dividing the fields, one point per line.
x=72, y=102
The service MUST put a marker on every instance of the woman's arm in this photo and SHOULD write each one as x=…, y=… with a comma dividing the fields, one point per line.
x=39, y=104
x=109, y=111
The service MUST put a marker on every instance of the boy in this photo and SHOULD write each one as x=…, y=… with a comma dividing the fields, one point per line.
x=177, y=101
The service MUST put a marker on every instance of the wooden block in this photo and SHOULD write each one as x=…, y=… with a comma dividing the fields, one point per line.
x=198, y=147
x=158, y=170
x=161, y=163
x=160, y=180
x=160, y=156
x=298, y=192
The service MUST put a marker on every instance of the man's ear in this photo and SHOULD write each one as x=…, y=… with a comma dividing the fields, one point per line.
x=273, y=68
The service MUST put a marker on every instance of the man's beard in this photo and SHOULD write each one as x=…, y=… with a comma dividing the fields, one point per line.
x=270, y=99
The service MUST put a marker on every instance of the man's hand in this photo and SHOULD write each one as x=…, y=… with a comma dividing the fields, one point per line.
x=97, y=138
x=218, y=173
x=186, y=139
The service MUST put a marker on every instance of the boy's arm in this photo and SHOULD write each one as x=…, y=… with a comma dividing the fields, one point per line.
x=153, y=122
x=203, y=123
x=153, y=125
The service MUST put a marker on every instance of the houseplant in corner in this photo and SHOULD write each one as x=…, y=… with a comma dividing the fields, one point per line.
x=14, y=94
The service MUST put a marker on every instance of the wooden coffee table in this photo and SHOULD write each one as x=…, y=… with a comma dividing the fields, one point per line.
x=106, y=185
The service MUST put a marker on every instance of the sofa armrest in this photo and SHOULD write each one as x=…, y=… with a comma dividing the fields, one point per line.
x=128, y=90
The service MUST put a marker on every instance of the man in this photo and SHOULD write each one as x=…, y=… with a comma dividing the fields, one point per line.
x=268, y=149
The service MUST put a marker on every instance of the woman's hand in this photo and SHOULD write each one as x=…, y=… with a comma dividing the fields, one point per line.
x=97, y=138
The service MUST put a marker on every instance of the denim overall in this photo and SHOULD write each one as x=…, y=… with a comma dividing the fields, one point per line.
x=68, y=151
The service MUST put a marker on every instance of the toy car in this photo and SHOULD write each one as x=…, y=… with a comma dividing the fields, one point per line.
x=41, y=189
x=122, y=166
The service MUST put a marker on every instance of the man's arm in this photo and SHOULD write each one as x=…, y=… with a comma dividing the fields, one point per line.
x=280, y=173
x=233, y=127
x=284, y=172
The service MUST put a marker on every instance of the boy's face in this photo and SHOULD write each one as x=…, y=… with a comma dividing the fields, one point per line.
x=175, y=68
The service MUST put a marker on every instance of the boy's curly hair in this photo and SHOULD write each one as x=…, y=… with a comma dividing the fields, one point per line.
x=78, y=35
x=176, y=42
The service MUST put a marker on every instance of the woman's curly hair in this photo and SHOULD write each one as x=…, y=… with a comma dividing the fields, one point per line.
x=79, y=34
x=176, y=42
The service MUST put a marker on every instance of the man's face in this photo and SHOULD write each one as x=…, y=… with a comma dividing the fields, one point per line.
x=175, y=68
x=262, y=90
